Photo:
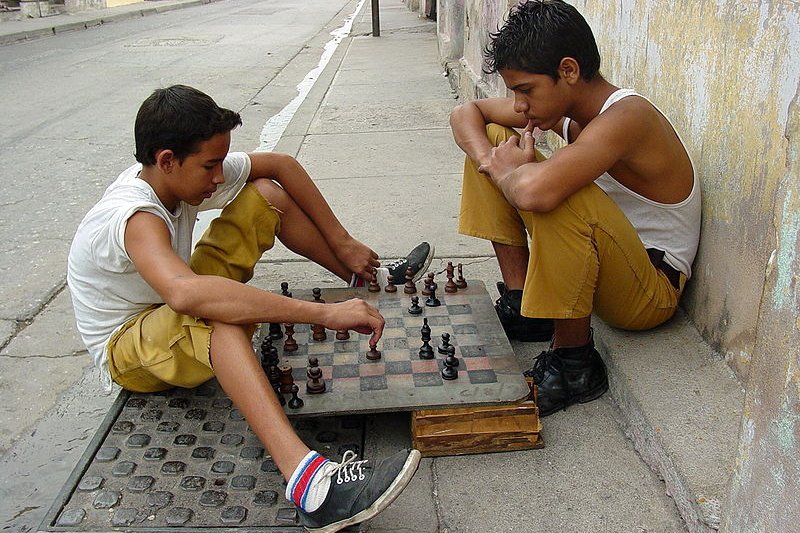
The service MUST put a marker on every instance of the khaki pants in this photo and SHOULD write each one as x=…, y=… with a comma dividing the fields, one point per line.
x=585, y=255
x=159, y=348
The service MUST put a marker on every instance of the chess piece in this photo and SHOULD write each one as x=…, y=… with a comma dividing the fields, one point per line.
x=275, y=332
x=317, y=292
x=266, y=343
x=415, y=308
x=277, y=388
x=290, y=344
x=450, y=286
x=390, y=286
x=285, y=290
x=315, y=383
x=461, y=283
x=432, y=300
x=373, y=354
x=294, y=401
x=373, y=285
x=445, y=347
x=450, y=372
x=426, y=350
x=410, y=287
x=286, y=379
x=318, y=332
x=426, y=291
x=342, y=334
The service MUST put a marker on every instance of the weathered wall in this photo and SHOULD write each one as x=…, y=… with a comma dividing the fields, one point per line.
x=728, y=75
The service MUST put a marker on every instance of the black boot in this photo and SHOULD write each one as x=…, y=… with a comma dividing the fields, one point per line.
x=564, y=376
x=516, y=326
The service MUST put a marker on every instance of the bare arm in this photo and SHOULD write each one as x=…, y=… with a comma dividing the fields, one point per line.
x=147, y=242
x=290, y=174
x=468, y=122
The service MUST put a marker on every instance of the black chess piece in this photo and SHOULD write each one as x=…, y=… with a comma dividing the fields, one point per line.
x=285, y=290
x=445, y=347
x=410, y=287
x=315, y=383
x=317, y=292
x=266, y=343
x=425, y=331
x=432, y=300
x=295, y=402
x=461, y=283
x=318, y=332
x=450, y=286
x=342, y=334
x=277, y=388
x=390, y=286
x=373, y=354
x=290, y=344
x=415, y=308
x=450, y=370
x=275, y=331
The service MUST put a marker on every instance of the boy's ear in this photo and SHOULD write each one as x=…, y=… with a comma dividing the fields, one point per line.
x=165, y=160
x=569, y=70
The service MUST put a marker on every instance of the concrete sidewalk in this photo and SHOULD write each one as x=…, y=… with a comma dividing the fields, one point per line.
x=374, y=134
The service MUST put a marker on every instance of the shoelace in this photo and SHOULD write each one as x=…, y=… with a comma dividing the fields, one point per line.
x=540, y=364
x=349, y=469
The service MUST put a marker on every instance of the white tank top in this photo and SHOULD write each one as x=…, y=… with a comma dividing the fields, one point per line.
x=672, y=228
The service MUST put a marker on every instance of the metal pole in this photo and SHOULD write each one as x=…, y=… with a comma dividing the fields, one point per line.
x=376, y=19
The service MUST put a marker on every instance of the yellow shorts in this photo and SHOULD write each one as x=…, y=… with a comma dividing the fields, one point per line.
x=159, y=348
x=585, y=256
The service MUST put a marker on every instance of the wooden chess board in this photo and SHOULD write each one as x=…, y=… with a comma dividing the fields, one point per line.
x=488, y=372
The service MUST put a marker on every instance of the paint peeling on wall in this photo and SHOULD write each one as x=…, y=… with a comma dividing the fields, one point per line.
x=784, y=291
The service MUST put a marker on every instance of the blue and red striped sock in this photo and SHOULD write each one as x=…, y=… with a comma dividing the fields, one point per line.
x=304, y=489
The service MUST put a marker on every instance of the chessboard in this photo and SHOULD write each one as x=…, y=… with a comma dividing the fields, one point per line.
x=487, y=372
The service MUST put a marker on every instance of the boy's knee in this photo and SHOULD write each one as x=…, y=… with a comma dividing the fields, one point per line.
x=274, y=193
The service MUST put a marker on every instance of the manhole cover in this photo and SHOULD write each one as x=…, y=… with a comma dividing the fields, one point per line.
x=186, y=458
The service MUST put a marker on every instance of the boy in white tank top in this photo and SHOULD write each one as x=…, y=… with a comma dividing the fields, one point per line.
x=609, y=224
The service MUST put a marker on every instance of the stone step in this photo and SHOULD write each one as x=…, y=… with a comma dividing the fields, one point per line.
x=681, y=406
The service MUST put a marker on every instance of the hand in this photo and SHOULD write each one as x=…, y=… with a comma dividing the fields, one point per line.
x=509, y=155
x=358, y=257
x=357, y=315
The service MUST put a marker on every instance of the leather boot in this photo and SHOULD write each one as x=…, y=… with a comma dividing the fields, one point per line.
x=564, y=376
x=516, y=326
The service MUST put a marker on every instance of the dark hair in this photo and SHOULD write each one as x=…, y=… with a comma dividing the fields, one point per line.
x=178, y=118
x=538, y=35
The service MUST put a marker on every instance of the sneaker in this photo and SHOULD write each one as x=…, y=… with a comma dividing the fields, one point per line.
x=516, y=326
x=360, y=490
x=565, y=376
x=419, y=259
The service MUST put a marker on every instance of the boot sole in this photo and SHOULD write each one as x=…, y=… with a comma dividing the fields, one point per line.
x=383, y=501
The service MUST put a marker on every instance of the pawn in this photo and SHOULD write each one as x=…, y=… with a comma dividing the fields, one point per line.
x=275, y=332
x=285, y=290
x=373, y=354
x=286, y=379
x=410, y=287
x=450, y=370
x=290, y=344
x=277, y=389
x=317, y=292
x=373, y=285
x=415, y=308
x=315, y=383
x=445, y=346
x=318, y=332
x=390, y=286
x=426, y=291
x=342, y=334
x=432, y=300
x=461, y=283
x=450, y=286
x=294, y=401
